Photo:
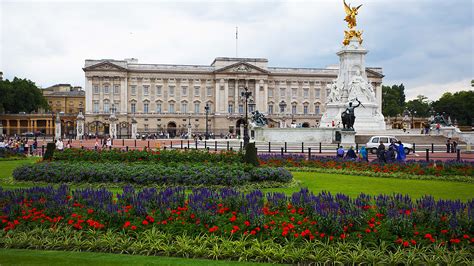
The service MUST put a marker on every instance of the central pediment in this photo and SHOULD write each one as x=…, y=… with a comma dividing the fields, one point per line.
x=241, y=68
x=104, y=66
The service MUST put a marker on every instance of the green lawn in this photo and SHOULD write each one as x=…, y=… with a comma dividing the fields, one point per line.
x=335, y=183
x=39, y=257
x=354, y=185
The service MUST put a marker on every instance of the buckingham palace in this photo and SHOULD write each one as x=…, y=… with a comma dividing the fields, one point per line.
x=177, y=98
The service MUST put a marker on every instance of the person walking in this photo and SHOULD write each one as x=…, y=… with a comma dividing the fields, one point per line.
x=454, y=146
x=363, y=154
x=448, y=145
x=390, y=155
x=401, y=156
x=438, y=128
x=381, y=153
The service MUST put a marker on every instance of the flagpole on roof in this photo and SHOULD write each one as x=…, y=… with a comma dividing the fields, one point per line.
x=236, y=42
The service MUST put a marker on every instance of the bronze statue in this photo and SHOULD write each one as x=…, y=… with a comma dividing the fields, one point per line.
x=348, y=116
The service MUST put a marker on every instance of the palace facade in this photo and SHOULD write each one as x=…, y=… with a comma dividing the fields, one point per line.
x=172, y=98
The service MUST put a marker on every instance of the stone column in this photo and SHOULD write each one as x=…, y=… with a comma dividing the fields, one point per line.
x=8, y=127
x=256, y=96
x=217, y=104
x=124, y=95
x=57, y=128
x=265, y=97
x=18, y=128
x=80, y=126
x=1, y=128
x=88, y=91
x=378, y=96
x=226, y=96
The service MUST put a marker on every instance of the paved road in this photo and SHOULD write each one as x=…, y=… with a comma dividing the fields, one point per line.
x=263, y=147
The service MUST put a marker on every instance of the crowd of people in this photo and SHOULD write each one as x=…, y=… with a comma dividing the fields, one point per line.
x=394, y=153
x=18, y=145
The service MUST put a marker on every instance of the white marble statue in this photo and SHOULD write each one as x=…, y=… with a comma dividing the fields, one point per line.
x=335, y=93
x=361, y=89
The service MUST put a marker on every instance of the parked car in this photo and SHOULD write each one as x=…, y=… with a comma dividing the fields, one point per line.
x=28, y=134
x=374, y=143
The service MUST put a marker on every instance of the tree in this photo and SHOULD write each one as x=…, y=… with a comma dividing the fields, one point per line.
x=421, y=105
x=20, y=95
x=393, y=100
x=459, y=106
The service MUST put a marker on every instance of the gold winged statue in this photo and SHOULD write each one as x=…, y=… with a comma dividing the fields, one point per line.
x=351, y=21
x=351, y=15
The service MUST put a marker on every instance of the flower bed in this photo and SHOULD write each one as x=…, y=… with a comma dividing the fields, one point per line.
x=435, y=168
x=149, y=174
x=304, y=217
x=162, y=156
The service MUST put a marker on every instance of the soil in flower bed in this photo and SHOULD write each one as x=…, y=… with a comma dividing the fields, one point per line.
x=150, y=174
x=304, y=217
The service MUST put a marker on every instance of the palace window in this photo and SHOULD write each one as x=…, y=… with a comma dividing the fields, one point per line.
x=293, y=109
x=133, y=89
x=171, y=108
x=145, y=108
x=146, y=127
x=96, y=107
x=184, y=107
x=209, y=91
x=294, y=93
x=306, y=93
x=251, y=107
x=316, y=109
x=158, y=108
x=96, y=89
x=305, y=109
x=184, y=91
x=197, y=90
x=171, y=91
x=158, y=90
x=146, y=90
x=106, y=107
x=270, y=92
x=270, y=109
x=116, y=89
x=133, y=108
x=106, y=89
x=196, y=108
x=117, y=106
x=282, y=92
x=230, y=109
x=241, y=108
x=317, y=93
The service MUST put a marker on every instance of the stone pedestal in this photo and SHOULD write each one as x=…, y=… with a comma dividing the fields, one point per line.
x=348, y=139
x=134, y=128
x=57, y=128
x=80, y=126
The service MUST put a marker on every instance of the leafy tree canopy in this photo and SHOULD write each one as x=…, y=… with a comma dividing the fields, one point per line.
x=20, y=95
x=458, y=105
x=420, y=105
x=393, y=100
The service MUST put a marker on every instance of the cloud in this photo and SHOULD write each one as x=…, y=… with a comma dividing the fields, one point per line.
x=435, y=90
x=418, y=43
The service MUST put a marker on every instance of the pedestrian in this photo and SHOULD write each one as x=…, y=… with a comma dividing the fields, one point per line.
x=363, y=154
x=448, y=145
x=454, y=146
x=351, y=155
x=96, y=145
x=340, y=152
x=109, y=142
x=390, y=155
x=59, y=145
x=381, y=153
x=438, y=128
x=401, y=156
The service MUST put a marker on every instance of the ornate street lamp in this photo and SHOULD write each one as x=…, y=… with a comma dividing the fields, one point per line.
x=282, y=106
x=207, y=113
x=189, y=126
x=246, y=94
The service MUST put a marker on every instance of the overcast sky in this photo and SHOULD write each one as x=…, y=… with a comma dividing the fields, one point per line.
x=425, y=44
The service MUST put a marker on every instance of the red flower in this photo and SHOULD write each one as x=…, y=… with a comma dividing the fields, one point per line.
x=247, y=223
x=284, y=233
x=368, y=230
x=253, y=232
x=296, y=235
x=343, y=236
x=455, y=241
x=133, y=227
x=145, y=222
x=413, y=242
x=232, y=219
x=465, y=236
x=428, y=236
x=213, y=229
x=90, y=211
x=444, y=231
x=127, y=224
x=406, y=244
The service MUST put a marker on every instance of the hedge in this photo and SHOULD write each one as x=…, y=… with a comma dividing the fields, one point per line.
x=148, y=174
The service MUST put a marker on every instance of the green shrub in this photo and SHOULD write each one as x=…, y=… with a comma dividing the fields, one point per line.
x=251, y=154
x=149, y=174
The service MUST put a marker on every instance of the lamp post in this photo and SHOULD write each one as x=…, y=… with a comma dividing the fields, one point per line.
x=282, y=106
x=207, y=113
x=189, y=126
x=413, y=113
x=246, y=94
